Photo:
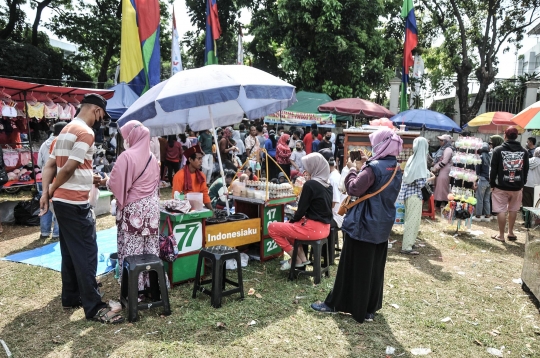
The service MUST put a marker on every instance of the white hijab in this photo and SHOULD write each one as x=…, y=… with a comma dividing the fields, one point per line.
x=416, y=167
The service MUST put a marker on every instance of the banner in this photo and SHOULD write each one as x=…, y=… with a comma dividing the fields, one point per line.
x=176, y=58
x=302, y=119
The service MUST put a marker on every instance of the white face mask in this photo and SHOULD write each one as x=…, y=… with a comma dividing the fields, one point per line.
x=126, y=144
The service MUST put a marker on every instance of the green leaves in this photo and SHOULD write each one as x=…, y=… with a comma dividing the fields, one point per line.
x=339, y=47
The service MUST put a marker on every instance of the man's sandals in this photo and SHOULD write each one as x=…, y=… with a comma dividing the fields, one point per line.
x=106, y=315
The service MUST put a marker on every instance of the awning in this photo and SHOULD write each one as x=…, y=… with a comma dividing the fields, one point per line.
x=40, y=92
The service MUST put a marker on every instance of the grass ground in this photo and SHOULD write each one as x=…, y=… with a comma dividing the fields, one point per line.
x=467, y=278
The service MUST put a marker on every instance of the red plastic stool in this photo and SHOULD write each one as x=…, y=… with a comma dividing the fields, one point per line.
x=431, y=210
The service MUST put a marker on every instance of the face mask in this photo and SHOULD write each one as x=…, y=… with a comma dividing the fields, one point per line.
x=126, y=145
x=328, y=138
x=97, y=123
x=299, y=149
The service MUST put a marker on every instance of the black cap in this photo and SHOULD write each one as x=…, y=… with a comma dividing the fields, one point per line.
x=57, y=128
x=93, y=98
x=326, y=153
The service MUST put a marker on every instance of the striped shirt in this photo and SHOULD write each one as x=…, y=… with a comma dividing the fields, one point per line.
x=76, y=141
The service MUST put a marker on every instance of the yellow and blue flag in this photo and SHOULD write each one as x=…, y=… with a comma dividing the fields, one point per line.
x=139, y=53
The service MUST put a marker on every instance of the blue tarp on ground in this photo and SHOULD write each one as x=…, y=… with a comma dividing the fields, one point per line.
x=122, y=99
x=49, y=255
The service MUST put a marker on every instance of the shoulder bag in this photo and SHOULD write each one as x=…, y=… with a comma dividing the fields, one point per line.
x=346, y=204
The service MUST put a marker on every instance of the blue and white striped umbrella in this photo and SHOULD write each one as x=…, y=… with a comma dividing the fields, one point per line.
x=219, y=95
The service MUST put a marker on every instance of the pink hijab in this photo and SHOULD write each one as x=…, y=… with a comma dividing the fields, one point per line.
x=131, y=163
x=385, y=142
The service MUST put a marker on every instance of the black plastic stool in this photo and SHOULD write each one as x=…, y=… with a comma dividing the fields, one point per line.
x=316, y=252
x=333, y=241
x=218, y=255
x=129, y=288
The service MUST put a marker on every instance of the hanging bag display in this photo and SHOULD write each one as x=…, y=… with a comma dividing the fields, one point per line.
x=346, y=204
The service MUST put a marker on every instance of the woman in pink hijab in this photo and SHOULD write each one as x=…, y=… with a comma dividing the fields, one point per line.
x=134, y=182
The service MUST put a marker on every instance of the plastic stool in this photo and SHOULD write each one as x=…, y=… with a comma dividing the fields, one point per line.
x=333, y=240
x=316, y=253
x=431, y=209
x=218, y=255
x=129, y=288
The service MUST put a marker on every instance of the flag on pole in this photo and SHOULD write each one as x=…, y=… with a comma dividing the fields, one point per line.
x=411, y=40
x=176, y=58
x=139, y=54
x=418, y=72
x=240, y=58
x=213, y=32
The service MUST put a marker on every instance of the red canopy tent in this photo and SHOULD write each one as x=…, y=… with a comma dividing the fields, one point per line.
x=20, y=92
x=19, y=89
x=357, y=107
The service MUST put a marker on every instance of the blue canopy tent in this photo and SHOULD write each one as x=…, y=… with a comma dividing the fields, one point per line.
x=122, y=99
x=426, y=119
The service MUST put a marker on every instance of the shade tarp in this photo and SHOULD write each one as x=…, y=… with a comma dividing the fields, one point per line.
x=309, y=102
x=123, y=97
x=40, y=92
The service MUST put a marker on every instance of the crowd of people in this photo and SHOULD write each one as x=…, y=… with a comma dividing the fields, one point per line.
x=372, y=186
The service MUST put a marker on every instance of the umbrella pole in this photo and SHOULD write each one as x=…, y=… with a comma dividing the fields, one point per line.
x=221, y=172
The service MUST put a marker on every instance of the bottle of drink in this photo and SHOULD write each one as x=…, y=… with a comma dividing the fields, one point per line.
x=113, y=207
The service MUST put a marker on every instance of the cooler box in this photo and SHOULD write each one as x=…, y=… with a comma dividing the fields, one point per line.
x=103, y=205
x=189, y=231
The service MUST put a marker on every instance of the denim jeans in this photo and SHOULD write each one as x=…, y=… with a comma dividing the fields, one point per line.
x=47, y=220
x=483, y=195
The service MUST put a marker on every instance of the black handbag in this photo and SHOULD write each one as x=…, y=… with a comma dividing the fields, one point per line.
x=427, y=192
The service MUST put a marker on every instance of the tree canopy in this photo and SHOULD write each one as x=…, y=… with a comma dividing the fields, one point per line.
x=474, y=33
x=339, y=47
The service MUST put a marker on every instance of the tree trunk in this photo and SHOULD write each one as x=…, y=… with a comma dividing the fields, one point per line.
x=109, y=52
x=13, y=17
x=41, y=5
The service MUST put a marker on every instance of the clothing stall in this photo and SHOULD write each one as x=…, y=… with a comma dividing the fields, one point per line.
x=27, y=108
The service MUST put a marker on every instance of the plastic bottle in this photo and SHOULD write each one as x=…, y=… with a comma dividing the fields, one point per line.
x=113, y=207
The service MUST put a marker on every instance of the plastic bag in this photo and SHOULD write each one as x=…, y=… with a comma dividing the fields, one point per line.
x=94, y=196
x=27, y=212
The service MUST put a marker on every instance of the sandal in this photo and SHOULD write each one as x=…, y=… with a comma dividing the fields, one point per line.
x=322, y=307
x=73, y=307
x=106, y=315
x=409, y=252
x=512, y=237
x=498, y=238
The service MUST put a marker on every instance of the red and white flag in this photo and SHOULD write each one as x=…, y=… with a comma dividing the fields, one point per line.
x=240, y=58
x=176, y=59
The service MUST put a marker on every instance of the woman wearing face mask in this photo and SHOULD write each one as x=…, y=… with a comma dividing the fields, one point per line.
x=134, y=182
x=359, y=284
x=297, y=167
x=283, y=154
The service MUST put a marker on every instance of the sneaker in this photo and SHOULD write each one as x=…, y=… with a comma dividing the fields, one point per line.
x=369, y=317
x=487, y=219
x=322, y=307
x=44, y=237
x=478, y=218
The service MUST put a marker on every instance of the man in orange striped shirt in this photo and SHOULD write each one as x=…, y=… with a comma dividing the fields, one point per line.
x=70, y=164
